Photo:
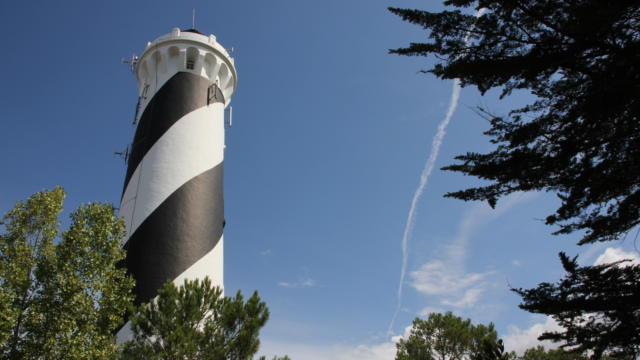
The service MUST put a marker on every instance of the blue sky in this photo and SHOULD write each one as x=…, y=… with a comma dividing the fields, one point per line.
x=329, y=139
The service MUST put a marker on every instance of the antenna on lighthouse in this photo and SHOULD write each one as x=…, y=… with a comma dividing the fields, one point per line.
x=124, y=154
x=133, y=61
x=229, y=121
x=193, y=19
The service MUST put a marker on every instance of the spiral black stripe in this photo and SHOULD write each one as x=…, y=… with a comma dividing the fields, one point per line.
x=181, y=94
x=185, y=227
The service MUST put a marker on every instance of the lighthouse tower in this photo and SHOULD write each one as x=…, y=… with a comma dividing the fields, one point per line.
x=172, y=200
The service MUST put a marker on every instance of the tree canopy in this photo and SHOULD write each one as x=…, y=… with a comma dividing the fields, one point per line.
x=61, y=295
x=448, y=337
x=195, y=321
x=580, y=138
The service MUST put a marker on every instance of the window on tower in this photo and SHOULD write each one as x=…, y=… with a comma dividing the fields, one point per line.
x=192, y=55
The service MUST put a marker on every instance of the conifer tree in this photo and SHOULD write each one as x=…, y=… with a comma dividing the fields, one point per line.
x=598, y=306
x=195, y=321
x=449, y=337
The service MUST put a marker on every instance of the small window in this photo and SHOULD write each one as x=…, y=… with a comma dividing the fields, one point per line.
x=192, y=55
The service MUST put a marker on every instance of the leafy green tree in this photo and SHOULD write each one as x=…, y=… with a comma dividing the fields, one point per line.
x=579, y=138
x=61, y=295
x=195, y=321
x=448, y=337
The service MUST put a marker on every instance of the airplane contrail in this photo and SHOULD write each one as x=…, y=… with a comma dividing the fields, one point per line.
x=424, y=178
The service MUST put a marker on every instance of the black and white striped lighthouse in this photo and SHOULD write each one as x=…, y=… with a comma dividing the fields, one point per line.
x=172, y=201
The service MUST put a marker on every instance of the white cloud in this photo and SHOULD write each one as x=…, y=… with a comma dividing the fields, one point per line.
x=376, y=349
x=380, y=351
x=437, y=278
x=384, y=351
x=266, y=252
x=519, y=340
x=611, y=255
x=586, y=257
x=307, y=282
x=405, y=334
x=469, y=298
x=430, y=309
x=516, y=262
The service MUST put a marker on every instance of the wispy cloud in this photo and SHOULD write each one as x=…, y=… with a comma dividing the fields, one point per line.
x=381, y=351
x=307, y=282
x=377, y=350
x=450, y=288
x=519, y=340
x=424, y=179
x=436, y=278
x=445, y=279
x=430, y=309
x=266, y=252
x=468, y=299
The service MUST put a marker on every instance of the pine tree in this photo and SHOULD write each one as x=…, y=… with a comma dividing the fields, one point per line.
x=195, y=321
x=598, y=305
x=448, y=337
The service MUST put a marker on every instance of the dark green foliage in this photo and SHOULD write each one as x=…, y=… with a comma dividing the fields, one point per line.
x=581, y=137
x=195, y=321
x=493, y=350
x=448, y=337
x=598, y=305
x=61, y=299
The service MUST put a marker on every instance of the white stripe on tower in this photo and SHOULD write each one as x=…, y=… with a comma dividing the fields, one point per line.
x=171, y=162
x=172, y=201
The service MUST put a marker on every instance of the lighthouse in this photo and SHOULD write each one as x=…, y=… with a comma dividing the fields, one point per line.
x=172, y=201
